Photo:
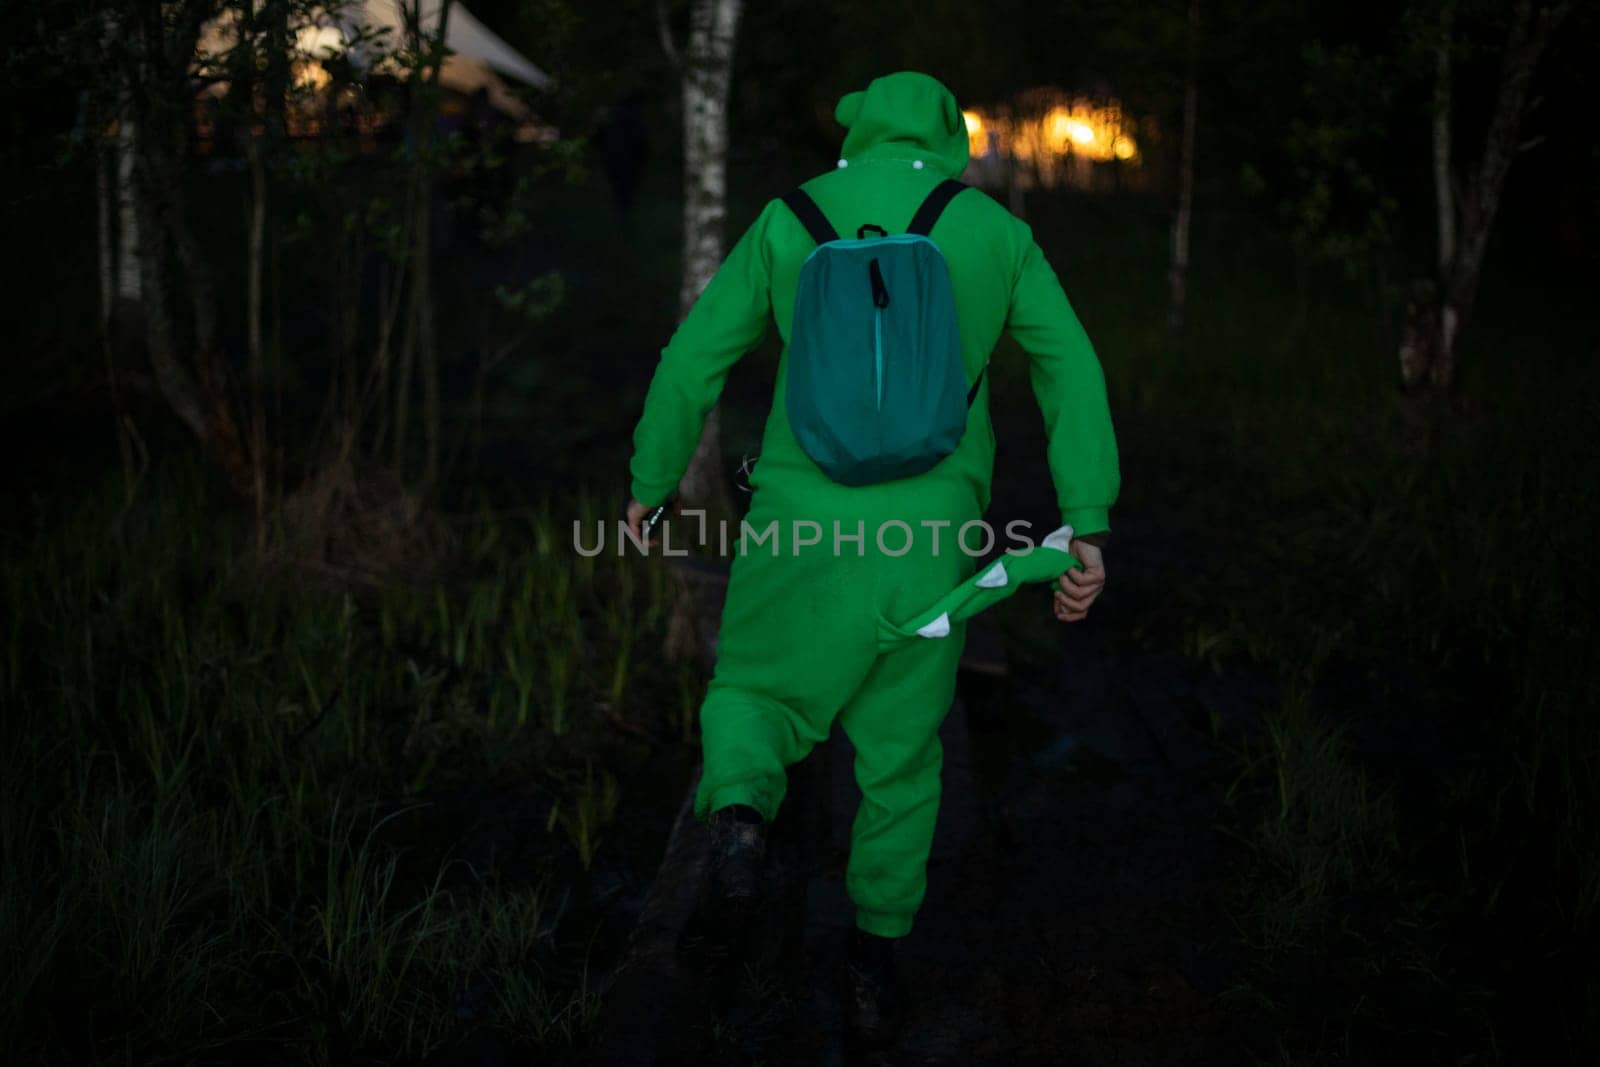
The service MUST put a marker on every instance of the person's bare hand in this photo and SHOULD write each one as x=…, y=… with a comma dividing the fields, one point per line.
x=1078, y=588
x=636, y=514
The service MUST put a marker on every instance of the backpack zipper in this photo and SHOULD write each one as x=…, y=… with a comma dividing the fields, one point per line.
x=877, y=346
x=880, y=300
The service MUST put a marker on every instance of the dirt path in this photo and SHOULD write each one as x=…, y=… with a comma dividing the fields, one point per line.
x=1072, y=913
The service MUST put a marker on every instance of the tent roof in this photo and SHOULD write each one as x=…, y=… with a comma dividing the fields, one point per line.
x=464, y=35
x=478, y=58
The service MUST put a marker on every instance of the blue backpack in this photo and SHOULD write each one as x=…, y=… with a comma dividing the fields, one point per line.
x=877, y=389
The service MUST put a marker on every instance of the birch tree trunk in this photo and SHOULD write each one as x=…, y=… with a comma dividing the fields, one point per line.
x=707, y=69
x=427, y=347
x=105, y=243
x=105, y=167
x=128, y=279
x=256, y=254
x=1466, y=208
x=419, y=343
x=1178, y=274
x=1422, y=336
x=172, y=376
x=143, y=277
x=196, y=387
x=113, y=170
x=1443, y=193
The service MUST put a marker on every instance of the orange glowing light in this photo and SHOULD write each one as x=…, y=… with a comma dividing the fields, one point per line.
x=977, y=134
x=311, y=75
x=1058, y=127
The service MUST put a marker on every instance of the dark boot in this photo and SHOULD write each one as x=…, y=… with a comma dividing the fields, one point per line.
x=738, y=852
x=873, y=1005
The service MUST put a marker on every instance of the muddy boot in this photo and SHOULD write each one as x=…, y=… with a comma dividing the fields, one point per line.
x=873, y=1007
x=738, y=852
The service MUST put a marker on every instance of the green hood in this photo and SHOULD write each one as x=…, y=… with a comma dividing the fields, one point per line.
x=910, y=111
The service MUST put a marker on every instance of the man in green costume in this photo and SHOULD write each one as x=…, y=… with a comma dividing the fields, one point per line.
x=852, y=627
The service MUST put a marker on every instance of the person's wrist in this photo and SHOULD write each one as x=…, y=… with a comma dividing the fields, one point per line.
x=650, y=495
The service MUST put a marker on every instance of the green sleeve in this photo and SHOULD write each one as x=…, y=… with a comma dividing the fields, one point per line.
x=1071, y=390
x=729, y=319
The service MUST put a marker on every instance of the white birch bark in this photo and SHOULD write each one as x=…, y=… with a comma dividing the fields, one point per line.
x=104, y=190
x=1467, y=218
x=707, y=71
x=130, y=285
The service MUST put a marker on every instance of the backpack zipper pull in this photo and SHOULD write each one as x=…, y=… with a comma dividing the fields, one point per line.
x=880, y=291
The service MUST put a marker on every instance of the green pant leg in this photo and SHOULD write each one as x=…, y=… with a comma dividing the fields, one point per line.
x=748, y=742
x=798, y=635
x=893, y=722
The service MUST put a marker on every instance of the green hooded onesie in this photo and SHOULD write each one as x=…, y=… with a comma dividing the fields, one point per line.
x=850, y=602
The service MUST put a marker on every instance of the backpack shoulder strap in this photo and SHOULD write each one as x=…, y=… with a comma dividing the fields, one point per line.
x=922, y=223
x=972, y=394
x=811, y=217
x=928, y=214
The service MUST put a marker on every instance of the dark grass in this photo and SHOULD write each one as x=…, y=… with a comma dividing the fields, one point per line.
x=1419, y=810
x=234, y=823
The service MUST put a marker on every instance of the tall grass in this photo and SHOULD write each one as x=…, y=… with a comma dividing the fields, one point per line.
x=208, y=767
